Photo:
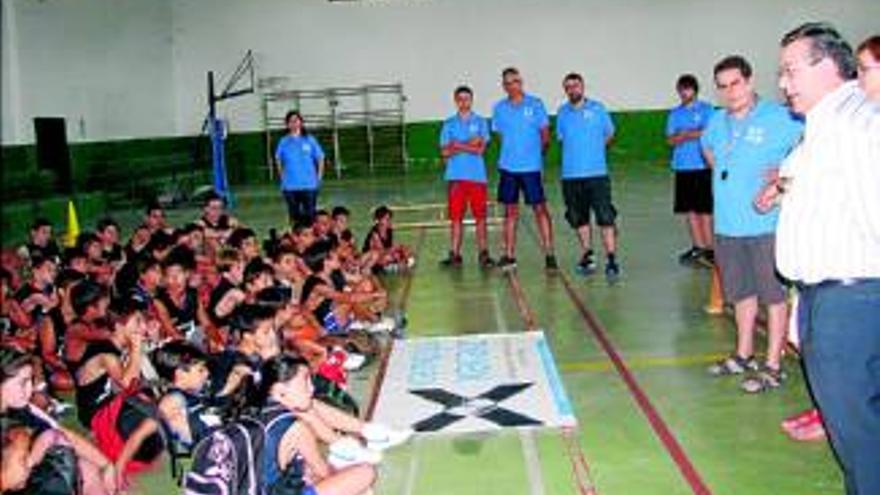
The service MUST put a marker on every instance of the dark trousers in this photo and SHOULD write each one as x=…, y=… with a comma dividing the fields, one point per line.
x=839, y=326
x=301, y=204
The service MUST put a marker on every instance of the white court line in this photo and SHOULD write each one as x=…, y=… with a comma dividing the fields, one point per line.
x=526, y=437
x=410, y=484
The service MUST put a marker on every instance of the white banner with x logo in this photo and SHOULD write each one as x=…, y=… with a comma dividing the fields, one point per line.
x=473, y=383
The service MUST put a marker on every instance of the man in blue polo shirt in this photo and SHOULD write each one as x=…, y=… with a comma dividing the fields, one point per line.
x=584, y=128
x=299, y=161
x=693, y=179
x=521, y=121
x=744, y=143
x=463, y=140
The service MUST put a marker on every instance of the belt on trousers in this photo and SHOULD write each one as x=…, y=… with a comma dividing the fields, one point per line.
x=842, y=282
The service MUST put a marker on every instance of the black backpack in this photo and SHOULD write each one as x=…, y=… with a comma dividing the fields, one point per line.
x=228, y=461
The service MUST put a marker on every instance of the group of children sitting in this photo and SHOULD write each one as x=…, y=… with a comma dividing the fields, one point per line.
x=184, y=331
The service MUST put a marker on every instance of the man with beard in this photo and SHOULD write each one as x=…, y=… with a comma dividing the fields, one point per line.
x=585, y=129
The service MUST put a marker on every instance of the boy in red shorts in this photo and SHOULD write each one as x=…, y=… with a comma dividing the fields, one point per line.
x=463, y=140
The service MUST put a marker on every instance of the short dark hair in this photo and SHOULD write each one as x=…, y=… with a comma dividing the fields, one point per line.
x=737, y=62
x=382, y=212
x=872, y=45
x=825, y=41
x=463, y=89
x=688, y=81
x=247, y=316
x=509, y=71
x=237, y=237
x=177, y=354
x=573, y=76
x=84, y=294
x=105, y=223
x=278, y=369
x=11, y=361
x=152, y=206
x=316, y=254
x=39, y=260
x=40, y=222
x=255, y=268
x=340, y=211
x=302, y=225
x=181, y=256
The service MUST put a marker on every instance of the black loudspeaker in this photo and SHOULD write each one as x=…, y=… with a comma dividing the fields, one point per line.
x=52, y=150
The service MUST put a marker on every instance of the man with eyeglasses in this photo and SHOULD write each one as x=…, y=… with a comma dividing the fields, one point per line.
x=828, y=242
x=743, y=143
x=521, y=122
x=585, y=129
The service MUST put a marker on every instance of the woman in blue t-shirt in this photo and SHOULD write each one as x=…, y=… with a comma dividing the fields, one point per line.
x=299, y=162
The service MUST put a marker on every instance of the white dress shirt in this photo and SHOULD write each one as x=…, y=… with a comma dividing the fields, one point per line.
x=829, y=224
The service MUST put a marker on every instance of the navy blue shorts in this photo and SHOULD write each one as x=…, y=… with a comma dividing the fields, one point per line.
x=511, y=183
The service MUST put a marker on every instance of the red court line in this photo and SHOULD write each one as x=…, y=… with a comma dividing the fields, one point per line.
x=386, y=351
x=661, y=429
x=519, y=297
x=580, y=469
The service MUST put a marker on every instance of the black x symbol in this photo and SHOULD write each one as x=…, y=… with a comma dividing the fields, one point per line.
x=483, y=406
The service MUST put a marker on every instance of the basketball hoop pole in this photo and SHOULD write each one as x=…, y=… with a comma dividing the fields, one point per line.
x=218, y=151
x=216, y=126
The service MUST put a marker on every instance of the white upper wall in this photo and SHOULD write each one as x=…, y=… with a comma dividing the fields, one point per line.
x=104, y=65
x=630, y=51
x=137, y=67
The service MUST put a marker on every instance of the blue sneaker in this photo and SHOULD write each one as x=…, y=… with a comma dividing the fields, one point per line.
x=587, y=264
x=612, y=272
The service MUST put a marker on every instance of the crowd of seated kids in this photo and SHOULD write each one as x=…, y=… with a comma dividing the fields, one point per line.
x=164, y=339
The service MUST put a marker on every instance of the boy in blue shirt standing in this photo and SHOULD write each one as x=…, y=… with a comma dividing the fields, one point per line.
x=744, y=143
x=585, y=129
x=463, y=140
x=299, y=162
x=521, y=121
x=693, y=178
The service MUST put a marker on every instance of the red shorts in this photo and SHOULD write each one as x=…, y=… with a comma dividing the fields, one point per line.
x=463, y=193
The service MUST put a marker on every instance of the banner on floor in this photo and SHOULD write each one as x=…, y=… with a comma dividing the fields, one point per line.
x=473, y=383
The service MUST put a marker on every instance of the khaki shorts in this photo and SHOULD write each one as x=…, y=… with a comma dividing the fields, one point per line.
x=748, y=268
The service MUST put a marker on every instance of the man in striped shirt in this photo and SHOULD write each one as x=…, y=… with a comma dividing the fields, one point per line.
x=828, y=242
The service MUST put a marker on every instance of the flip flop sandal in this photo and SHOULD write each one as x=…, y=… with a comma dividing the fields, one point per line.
x=800, y=419
x=811, y=432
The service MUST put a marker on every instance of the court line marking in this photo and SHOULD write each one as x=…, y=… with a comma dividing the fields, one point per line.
x=526, y=438
x=661, y=429
x=386, y=350
x=411, y=472
x=643, y=362
x=580, y=469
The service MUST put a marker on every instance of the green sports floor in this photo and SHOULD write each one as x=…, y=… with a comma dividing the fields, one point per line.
x=652, y=422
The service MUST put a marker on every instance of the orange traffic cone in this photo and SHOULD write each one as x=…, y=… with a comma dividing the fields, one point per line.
x=715, y=306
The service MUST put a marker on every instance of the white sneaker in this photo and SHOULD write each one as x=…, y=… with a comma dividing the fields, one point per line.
x=359, y=325
x=354, y=361
x=348, y=452
x=385, y=325
x=381, y=437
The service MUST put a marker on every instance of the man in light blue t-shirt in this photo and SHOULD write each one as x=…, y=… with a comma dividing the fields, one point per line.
x=585, y=129
x=463, y=140
x=521, y=122
x=744, y=143
x=299, y=162
x=693, y=178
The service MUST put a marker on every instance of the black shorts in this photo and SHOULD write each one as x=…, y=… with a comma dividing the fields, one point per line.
x=585, y=195
x=693, y=192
